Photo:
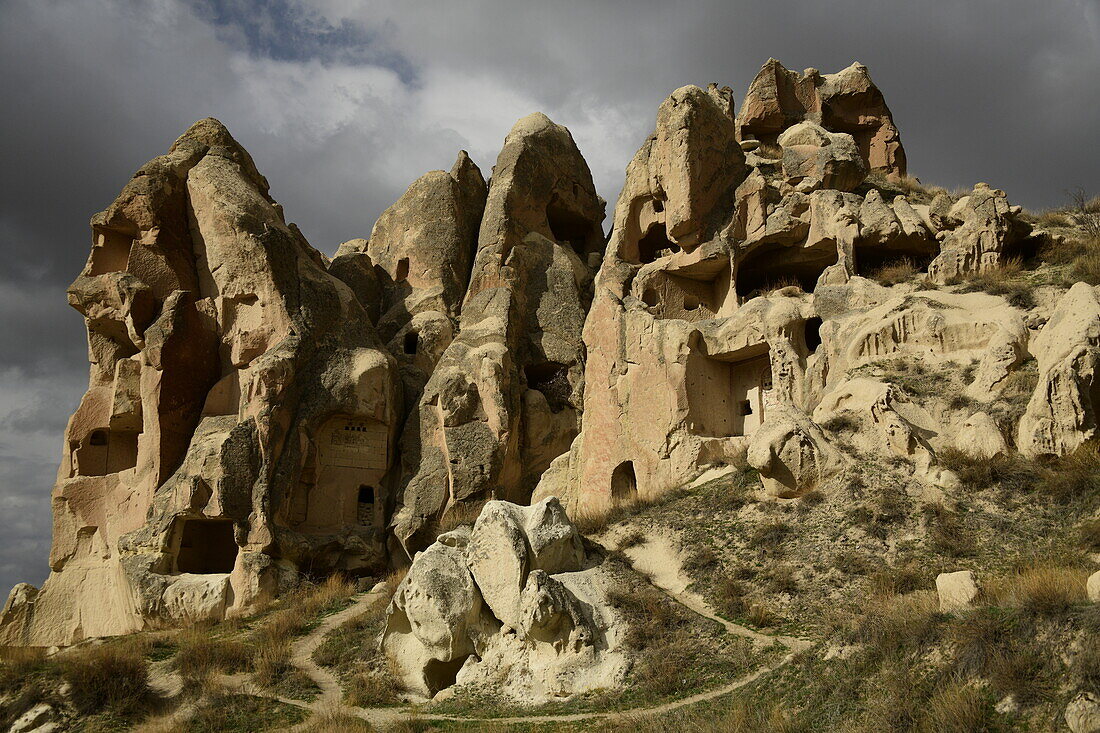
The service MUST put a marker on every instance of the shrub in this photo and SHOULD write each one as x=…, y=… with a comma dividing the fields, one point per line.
x=334, y=722
x=1086, y=665
x=631, y=538
x=372, y=688
x=948, y=535
x=899, y=579
x=652, y=617
x=853, y=562
x=1040, y=590
x=780, y=579
x=844, y=422
x=770, y=535
x=200, y=655
x=109, y=676
x=731, y=596
x=1090, y=534
x=957, y=707
x=459, y=515
x=701, y=559
x=895, y=272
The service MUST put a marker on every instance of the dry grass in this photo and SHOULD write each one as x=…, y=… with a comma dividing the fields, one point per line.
x=1089, y=532
x=769, y=537
x=458, y=515
x=393, y=580
x=243, y=714
x=202, y=656
x=741, y=716
x=631, y=538
x=111, y=677
x=894, y=273
x=1039, y=590
x=957, y=707
x=899, y=623
x=947, y=534
x=1006, y=280
x=372, y=688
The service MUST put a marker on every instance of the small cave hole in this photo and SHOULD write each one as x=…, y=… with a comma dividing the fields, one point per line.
x=658, y=205
x=366, y=505
x=402, y=272
x=745, y=407
x=412, y=341
x=761, y=272
x=649, y=297
x=654, y=244
x=552, y=380
x=568, y=227
x=441, y=675
x=690, y=302
x=206, y=546
x=624, y=483
x=813, y=333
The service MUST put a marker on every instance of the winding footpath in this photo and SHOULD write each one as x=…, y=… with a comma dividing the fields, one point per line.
x=657, y=559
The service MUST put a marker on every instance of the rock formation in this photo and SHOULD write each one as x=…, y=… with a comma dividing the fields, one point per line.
x=504, y=398
x=510, y=604
x=847, y=101
x=241, y=416
x=257, y=413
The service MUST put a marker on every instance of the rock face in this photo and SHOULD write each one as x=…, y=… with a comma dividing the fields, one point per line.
x=847, y=102
x=257, y=412
x=507, y=603
x=504, y=398
x=721, y=322
x=1062, y=413
x=239, y=400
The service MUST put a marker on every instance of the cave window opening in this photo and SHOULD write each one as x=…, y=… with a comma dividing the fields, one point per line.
x=813, y=333
x=568, y=227
x=624, y=483
x=759, y=274
x=105, y=452
x=649, y=297
x=412, y=340
x=690, y=302
x=111, y=252
x=552, y=380
x=875, y=262
x=402, y=272
x=658, y=205
x=746, y=407
x=206, y=546
x=366, y=505
x=655, y=243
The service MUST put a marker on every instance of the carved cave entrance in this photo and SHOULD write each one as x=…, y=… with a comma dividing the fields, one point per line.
x=206, y=546
x=552, y=380
x=624, y=483
x=104, y=451
x=342, y=476
x=728, y=398
x=770, y=268
x=571, y=229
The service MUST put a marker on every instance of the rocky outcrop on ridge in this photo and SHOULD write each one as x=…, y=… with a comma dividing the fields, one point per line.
x=847, y=101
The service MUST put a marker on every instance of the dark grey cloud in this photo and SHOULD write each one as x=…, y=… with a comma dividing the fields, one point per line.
x=344, y=103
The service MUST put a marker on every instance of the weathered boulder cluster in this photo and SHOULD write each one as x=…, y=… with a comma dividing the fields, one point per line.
x=507, y=602
x=257, y=412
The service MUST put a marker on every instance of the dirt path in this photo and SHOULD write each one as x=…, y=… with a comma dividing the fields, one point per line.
x=659, y=558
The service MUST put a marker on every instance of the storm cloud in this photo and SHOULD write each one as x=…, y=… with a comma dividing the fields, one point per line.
x=342, y=104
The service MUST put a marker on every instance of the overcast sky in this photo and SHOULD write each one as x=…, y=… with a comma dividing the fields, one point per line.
x=343, y=104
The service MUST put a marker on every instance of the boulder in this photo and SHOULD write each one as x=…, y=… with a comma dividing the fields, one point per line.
x=847, y=101
x=977, y=233
x=1082, y=714
x=1062, y=412
x=981, y=437
x=434, y=620
x=509, y=541
x=815, y=158
x=956, y=590
x=1092, y=586
x=545, y=630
